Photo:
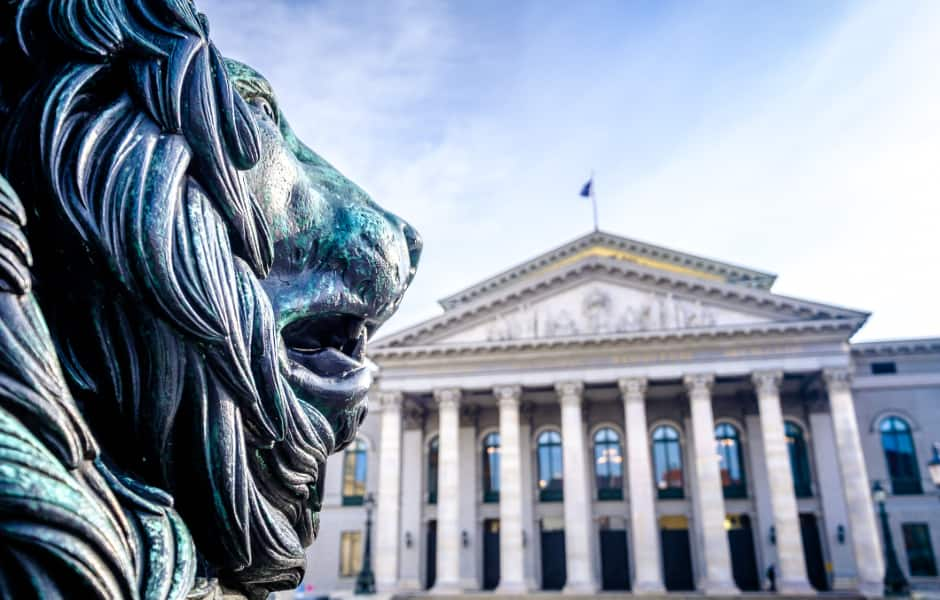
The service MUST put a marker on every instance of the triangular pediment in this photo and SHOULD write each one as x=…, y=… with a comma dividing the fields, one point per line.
x=603, y=295
x=600, y=244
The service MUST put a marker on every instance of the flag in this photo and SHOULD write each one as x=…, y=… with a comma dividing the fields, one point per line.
x=586, y=190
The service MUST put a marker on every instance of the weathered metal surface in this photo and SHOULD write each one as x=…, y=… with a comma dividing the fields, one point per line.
x=186, y=294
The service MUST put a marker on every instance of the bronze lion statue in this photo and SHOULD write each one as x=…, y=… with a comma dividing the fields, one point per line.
x=186, y=295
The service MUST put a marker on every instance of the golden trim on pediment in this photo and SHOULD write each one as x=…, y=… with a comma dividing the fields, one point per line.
x=606, y=252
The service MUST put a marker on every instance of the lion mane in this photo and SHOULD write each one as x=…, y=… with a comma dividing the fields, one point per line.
x=132, y=307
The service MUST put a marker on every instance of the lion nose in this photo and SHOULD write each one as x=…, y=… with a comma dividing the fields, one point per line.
x=414, y=244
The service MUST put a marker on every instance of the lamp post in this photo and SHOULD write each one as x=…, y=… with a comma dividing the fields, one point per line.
x=894, y=582
x=933, y=467
x=365, y=581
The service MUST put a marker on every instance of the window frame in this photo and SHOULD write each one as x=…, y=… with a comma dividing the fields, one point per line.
x=553, y=448
x=667, y=492
x=901, y=485
x=358, y=450
x=735, y=489
x=488, y=475
x=354, y=554
x=926, y=549
x=798, y=451
x=608, y=491
x=433, y=468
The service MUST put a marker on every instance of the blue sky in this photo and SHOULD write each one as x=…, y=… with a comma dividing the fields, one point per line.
x=800, y=138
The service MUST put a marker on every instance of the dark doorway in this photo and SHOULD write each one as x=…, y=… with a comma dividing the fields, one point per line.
x=430, y=567
x=743, y=561
x=676, y=553
x=554, y=573
x=615, y=570
x=490, y=554
x=812, y=552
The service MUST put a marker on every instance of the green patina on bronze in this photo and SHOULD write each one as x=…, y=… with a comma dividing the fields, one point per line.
x=206, y=285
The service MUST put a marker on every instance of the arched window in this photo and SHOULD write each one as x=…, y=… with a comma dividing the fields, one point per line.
x=354, y=473
x=551, y=478
x=608, y=464
x=728, y=445
x=667, y=462
x=432, y=470
x=799, y=460
x=491, y=467
x=898, y=446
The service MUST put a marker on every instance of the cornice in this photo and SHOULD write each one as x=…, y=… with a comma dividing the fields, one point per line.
x=741, y=275
x=735, y=296
x=843, y=327
x=897, y=347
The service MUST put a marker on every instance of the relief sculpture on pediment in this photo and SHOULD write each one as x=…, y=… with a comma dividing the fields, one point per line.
x=600, y=312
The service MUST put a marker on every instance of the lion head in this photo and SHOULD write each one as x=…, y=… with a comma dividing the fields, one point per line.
x=210, y=282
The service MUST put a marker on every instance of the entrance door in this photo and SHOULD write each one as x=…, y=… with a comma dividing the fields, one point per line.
x=615, y=570
x=676, y=553
x=554, y=573
x=812, y=552
x=743, y=561
x=430, y=567
x=490, y=554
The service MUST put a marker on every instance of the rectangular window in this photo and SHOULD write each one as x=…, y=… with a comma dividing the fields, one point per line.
x=883, y=368
x=920, y=556
x=350, y=553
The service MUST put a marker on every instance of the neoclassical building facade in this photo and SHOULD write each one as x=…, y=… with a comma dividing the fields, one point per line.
x=613, y=415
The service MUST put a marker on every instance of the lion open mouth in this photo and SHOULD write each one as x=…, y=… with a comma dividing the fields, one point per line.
x=326, y=368
x=330, y=344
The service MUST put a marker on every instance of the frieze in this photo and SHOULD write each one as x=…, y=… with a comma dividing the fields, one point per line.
x=601, y=313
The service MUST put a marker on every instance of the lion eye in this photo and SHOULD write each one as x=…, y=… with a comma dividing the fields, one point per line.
x=264, y=106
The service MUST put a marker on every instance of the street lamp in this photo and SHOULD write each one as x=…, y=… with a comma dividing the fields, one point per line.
x=894, y=582
x=365, y=581
x=933, y=467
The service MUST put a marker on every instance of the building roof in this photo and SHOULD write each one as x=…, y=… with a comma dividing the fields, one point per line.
x=601, y=284
x=608, y=245
x=897, y=347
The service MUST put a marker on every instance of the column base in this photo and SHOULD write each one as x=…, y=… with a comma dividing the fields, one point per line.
x=648, y=588
x=871, y=589
x=799, y=587
x=580, y=588
x=720, y=588
x=446, y=588
x=512, y=587
x=410, y=584
x=386, y=587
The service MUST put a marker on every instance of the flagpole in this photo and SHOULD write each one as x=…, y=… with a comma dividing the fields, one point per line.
x=594, y=201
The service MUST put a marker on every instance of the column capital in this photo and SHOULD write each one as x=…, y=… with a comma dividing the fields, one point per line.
x=632, y=387
x=767, y=382
x=390, y=399
x=447, y=397
x=508, y=395
x=569, y=391
x=699, y=382
x=838, y=380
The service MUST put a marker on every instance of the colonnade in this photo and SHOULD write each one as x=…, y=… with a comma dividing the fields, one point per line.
x=716, y=572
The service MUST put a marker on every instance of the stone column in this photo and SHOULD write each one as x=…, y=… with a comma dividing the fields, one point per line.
x=511, y=553
x=412, y=501
x=577, y=501
x=865, y=541
x=448, y=492
x=644, y=532
x=717, y=578
x=389, y=496
x=828, y=484
x=791, y=564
